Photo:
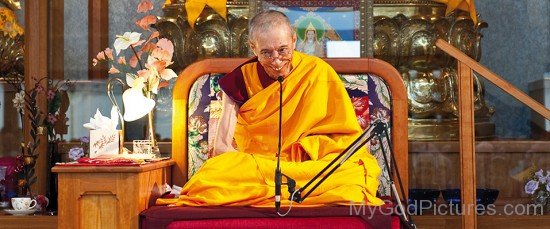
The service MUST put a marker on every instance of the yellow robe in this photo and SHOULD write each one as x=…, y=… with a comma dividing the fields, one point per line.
x=318, y=123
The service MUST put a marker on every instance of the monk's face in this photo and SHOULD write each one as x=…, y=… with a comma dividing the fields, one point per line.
x=274, y=50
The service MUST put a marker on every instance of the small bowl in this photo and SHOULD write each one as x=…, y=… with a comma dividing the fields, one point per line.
x=484, y=196
x=422, y=199
x=451, y=196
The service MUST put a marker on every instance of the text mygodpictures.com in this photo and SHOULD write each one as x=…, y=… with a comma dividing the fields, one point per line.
x=424, y=207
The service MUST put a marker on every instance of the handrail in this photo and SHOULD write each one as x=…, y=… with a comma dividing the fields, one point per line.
x=466, y=66
x=494, y=78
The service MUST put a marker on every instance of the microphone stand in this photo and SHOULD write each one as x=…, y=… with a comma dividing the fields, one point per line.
x=278, y=173
x=375, y=130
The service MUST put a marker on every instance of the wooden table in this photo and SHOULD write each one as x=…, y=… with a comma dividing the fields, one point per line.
x=108, y=196
x=27, y=221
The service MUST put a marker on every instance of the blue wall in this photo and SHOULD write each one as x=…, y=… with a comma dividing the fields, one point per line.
x=516, y=46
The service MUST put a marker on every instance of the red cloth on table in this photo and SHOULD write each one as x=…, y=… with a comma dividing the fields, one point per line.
x=86, y=161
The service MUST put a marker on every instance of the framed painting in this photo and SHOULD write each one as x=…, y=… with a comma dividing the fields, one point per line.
x=326, y=28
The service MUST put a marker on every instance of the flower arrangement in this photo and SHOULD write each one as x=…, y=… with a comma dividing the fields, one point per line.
x=81, y=151
x=56, y=95
x=538, y=185
x=25, y=102
x=158, y=53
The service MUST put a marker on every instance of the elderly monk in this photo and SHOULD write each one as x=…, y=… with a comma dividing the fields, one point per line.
x=318, y=123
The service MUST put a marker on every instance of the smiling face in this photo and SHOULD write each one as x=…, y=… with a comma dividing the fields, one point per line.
x=272, y=39
x=274, y=50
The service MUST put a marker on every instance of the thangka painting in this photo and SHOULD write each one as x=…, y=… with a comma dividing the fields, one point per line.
x=319, y=23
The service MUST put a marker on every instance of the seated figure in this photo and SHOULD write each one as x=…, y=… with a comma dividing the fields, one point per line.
x=318, y=123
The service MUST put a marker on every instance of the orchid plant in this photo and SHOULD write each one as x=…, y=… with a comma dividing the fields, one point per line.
x=147, y=76
x=538, y=185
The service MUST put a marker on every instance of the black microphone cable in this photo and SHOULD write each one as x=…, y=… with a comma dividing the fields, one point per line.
x=278, y=174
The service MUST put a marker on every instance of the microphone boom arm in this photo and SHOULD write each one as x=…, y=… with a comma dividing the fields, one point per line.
x=377, y=129
x=344, y=156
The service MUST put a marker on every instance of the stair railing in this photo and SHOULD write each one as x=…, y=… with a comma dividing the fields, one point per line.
x=466, y=66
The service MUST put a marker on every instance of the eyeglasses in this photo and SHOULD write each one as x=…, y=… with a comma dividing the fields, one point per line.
x=282, y=52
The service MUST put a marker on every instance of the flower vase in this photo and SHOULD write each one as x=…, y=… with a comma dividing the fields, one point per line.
x=543, y=201
x=54, y=157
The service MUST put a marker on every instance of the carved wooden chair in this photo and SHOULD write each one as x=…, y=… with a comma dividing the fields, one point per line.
x=377, y=92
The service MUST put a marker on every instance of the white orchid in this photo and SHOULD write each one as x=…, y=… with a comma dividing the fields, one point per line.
x=19, y=101
x=124, y=41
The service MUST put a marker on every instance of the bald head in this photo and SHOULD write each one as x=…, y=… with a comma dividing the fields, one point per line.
x=266, y=21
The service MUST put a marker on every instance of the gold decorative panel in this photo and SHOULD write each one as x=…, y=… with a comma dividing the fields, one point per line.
x=400, y=32
x=211, y=36
x=404, y=35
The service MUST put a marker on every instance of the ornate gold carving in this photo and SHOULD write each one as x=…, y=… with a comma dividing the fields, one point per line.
x=212, y=36
x=12, y=4
x=11, y=56
x=405, y=35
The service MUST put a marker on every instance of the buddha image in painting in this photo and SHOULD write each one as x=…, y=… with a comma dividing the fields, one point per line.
x=311, y=41
x=313, y=32
x=317, y=25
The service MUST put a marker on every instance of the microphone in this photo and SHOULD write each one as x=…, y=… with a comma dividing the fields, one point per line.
x=278, y=173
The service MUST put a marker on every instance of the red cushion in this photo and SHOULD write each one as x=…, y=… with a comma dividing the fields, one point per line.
x=213, y=217
x=283, y=223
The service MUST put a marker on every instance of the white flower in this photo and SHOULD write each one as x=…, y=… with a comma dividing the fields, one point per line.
x=19, y=101
x=135, y=81
x=539, y=175
x=76, y=153
x=531, y=186
x=124, y=41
